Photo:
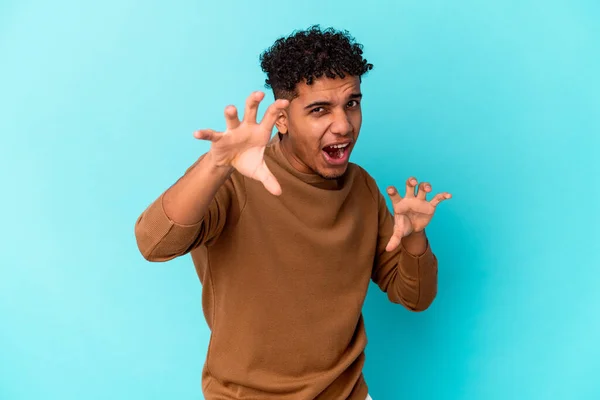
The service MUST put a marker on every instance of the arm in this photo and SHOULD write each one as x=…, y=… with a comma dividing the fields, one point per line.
x=194, y=210
x=408, y=274
x=191, y=212
x=187, y=201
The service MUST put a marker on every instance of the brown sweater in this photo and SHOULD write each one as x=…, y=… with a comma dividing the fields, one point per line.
x=284, y=280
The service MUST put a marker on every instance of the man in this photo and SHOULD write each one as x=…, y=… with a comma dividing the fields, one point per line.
x=286, y=234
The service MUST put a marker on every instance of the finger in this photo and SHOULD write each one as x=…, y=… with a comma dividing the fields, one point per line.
x=272, y=113
x=398, y=233
x=424, y=188
x=411, y=183
x=394, y=195
x=208, y=134
x=231, y=118
x=393, y=242
x=438, y=198
x=252, y=103
x=269, y=181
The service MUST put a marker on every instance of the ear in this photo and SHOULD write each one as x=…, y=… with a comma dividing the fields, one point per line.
x=282, y=122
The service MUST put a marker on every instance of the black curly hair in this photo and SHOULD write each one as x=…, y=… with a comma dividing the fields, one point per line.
x=309, y=54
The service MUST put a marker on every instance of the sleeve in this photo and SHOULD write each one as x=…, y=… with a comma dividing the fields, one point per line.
x=160, y=239
x=407, y=279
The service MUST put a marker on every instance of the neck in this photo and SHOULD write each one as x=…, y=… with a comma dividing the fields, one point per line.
x=291, y=157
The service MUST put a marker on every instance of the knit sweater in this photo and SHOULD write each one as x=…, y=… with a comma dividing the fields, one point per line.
x=284, y=279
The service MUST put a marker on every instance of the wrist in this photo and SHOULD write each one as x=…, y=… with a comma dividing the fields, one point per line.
x=420, y=233
x=217, y=167
x=415, y=243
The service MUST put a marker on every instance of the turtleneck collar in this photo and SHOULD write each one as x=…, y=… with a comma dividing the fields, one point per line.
x=274, y=149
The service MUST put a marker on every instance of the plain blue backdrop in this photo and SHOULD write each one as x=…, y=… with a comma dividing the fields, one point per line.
x=497, y=102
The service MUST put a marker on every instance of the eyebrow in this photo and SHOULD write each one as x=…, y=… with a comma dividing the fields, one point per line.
x=353, y=96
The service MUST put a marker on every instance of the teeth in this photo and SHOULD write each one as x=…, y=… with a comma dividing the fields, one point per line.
x=339, y=146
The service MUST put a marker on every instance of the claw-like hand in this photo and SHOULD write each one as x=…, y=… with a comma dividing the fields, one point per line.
x=412, y=213
x=242, y=144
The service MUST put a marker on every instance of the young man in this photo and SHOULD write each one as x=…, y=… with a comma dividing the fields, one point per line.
x=286, y=234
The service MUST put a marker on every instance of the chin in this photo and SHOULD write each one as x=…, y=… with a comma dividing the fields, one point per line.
x=333, y=173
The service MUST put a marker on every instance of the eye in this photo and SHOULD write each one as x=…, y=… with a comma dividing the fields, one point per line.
x=317, y=110
x=353, y=103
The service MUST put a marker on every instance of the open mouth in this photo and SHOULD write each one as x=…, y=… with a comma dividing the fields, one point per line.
x=337, y=153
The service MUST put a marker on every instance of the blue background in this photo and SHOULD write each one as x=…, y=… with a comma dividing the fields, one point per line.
x=495, y=101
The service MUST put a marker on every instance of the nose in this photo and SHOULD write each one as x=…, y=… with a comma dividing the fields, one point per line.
x=341, y=124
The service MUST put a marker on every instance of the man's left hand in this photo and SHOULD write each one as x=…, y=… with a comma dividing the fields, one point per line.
x=413, y=212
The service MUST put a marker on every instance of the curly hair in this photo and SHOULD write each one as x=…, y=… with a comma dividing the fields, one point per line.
x=309, y=54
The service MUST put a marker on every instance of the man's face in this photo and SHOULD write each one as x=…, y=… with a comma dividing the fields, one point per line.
x=321, y=125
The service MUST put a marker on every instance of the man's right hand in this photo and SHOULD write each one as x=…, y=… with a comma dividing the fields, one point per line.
x=243, y=143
